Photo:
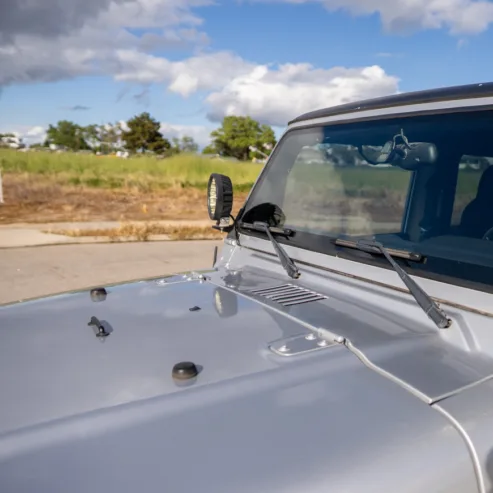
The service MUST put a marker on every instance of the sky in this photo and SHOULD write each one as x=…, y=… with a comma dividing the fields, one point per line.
x=189, y=63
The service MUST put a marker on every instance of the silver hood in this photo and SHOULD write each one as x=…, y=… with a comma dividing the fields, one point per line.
x=105, y=414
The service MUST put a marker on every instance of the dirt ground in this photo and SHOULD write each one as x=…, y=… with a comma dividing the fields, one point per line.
x=29, y=199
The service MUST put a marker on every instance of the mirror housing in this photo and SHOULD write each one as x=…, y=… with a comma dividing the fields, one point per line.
x=409, y=156
x=219, y=198
x=417, y=155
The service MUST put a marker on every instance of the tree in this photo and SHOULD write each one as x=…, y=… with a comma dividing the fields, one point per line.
x=144, y=135
x=67, y=134
x=104, y=138
x=238, y=133
x=188, y=144
x=185, y=144
x=267, y=139
x=91, y=136
x=210, y=149
x=111, y=137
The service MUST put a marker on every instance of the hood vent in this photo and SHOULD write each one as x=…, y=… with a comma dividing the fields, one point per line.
x=288, y=294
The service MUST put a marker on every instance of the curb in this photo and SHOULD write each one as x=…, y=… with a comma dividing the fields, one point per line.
x=89, y=240
x=25, y=235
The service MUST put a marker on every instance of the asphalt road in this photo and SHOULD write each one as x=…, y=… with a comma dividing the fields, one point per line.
x=38, y=271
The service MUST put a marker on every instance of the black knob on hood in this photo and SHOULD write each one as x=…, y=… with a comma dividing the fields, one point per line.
x=185, y=370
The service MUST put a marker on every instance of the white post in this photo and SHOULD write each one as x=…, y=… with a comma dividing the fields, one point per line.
x=1, y=187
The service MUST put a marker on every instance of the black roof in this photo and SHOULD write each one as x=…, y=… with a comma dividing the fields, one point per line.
x=428, y=96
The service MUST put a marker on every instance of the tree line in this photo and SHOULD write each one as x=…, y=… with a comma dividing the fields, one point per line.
x=238, y=137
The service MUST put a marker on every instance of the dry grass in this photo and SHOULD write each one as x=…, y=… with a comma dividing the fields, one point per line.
x=42, y=187
x=38, y=199
x=144, y=232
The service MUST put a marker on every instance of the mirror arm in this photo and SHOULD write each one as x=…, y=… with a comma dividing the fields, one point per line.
x=224, y=229
x=229, y=228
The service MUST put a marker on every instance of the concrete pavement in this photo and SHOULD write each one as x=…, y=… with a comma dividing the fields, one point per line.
x=23, y=235
x=31, y=272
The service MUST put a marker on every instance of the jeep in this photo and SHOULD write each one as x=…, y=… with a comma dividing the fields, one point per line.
x=341, y=341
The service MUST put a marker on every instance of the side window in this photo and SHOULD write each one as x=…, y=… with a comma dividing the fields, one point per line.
x=334, y=190
x=471, y=169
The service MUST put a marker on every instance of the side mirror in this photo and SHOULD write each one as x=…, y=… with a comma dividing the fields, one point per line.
x=219, y=198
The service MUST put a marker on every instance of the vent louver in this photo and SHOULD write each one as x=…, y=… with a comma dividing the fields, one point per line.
x=288, y=294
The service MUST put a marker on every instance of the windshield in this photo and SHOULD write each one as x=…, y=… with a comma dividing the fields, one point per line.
x=333, y=181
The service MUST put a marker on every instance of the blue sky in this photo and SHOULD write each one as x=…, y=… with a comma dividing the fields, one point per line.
x=191, y=62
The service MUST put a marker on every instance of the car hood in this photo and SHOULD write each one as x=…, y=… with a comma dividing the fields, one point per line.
x=228, y=323
x=63, y=369
x=255, y=418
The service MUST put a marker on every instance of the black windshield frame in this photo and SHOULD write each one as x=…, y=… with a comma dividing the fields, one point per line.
x=464, y=274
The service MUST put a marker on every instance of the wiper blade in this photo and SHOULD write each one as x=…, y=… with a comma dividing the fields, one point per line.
x=415, y=257
x=426, y=303
x=272, y=229
x=288, y=265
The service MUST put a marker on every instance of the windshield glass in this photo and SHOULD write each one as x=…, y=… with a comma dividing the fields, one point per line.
x=333, y=181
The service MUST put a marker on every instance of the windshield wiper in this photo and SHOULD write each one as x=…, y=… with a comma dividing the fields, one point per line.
x=415, y=257
x=422, y=298
x=273, y=229
x=288, y=265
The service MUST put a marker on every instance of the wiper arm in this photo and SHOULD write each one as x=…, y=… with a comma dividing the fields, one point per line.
x=273, y=229
x=288, y=265
x=422, y=298
x=413, y=256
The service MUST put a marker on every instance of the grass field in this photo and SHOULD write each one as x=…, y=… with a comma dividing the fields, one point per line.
x=51, y=187
x=143, y=173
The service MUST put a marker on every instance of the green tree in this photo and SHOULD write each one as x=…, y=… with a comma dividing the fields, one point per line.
x=267, y=139
x=188, y=144
x=185, y=144
x=67, y=134
x=91, y=136
x=238, y=133
x=144, y=135
x=106, y=138
x=210, y=149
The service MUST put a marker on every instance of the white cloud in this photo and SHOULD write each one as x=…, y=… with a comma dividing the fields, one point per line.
x=457, y=16
x=95, y=39
x=47, y=18
x=276, y=95
x=151, y=13
x=37, y=132
x=172, y=39
x=240, y=87
x=388, y=54
x=29, y=134
x=199, y=133
x=204, y=72
x=67, y=39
